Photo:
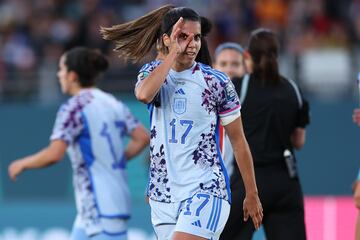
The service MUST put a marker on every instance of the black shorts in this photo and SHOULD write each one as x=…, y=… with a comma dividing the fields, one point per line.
x=282, y=201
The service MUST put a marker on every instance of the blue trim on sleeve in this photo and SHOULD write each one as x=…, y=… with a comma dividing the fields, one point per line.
x=146, y=66
x=217, y=138
x=358, y=175
x=209, y=70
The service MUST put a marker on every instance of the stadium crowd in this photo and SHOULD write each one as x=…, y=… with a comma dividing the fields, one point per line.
x=33, y=34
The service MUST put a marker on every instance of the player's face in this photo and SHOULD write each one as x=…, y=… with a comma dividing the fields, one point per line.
x=187, y=58
x=63, y=75
x=230, y=62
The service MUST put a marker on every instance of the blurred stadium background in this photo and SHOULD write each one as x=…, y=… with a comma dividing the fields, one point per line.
x=320, y=42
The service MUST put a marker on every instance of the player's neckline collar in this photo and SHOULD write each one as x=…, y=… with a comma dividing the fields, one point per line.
x=190, y=68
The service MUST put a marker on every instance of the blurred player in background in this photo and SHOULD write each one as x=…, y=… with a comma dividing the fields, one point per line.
x=188, y=190
x=275, y=115
x=356, y=185
x=92, y=126
x=232, y=59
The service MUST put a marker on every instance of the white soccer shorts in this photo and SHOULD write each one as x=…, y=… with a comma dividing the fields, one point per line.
x=202, y=215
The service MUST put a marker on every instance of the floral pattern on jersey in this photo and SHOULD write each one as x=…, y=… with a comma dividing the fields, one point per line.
x=206, y=156
x=69, y=122
x=158, y=187
x=217, y=186
x=206, y=152
x=85, y=193
x=220, y=96
x=228, y=98
x=208, y=101
x=153, y=132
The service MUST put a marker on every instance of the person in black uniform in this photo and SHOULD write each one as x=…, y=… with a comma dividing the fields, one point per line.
x=274, y=117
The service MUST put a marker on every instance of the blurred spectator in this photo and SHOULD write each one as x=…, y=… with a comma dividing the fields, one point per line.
x=27, y=27
x=48, y=84
x=354, y=11
x=272, y=13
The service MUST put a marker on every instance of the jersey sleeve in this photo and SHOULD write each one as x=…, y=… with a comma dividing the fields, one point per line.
x=68, y=124
x=304, y=114
x=129, y=119
x=228, y=106
x=146, y=70
x=303, y=118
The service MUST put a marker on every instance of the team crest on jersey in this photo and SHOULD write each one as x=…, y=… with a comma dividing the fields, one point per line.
x=179, y=105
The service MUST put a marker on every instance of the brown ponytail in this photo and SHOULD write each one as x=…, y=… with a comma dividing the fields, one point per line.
x=135, y=39
x=263, y=47
x=269, y=68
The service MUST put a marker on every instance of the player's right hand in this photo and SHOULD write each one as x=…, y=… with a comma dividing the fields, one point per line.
x=179, y=39
x=15, y=168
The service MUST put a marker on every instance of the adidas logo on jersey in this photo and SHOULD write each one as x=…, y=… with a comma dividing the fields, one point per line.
x=197, y=223
x=180, y=91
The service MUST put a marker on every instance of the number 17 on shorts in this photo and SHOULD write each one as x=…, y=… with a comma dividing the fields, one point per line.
x=203, y=215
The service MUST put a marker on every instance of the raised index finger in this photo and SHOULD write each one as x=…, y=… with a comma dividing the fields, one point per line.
x=177, y=25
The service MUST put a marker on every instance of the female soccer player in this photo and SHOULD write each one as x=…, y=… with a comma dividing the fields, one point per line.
x=187, y=100
x=92, y=125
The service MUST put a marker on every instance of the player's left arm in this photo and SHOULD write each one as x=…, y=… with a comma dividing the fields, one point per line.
x=45, y=157
x=252, y=206
x=228, y=108
x=298, y=136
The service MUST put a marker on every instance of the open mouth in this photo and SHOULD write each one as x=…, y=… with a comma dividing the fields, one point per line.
x=190, y=54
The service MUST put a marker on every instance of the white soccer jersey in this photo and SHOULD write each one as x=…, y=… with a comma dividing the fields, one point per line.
x=94, y=123
x=228, y=154
x=185, y=155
